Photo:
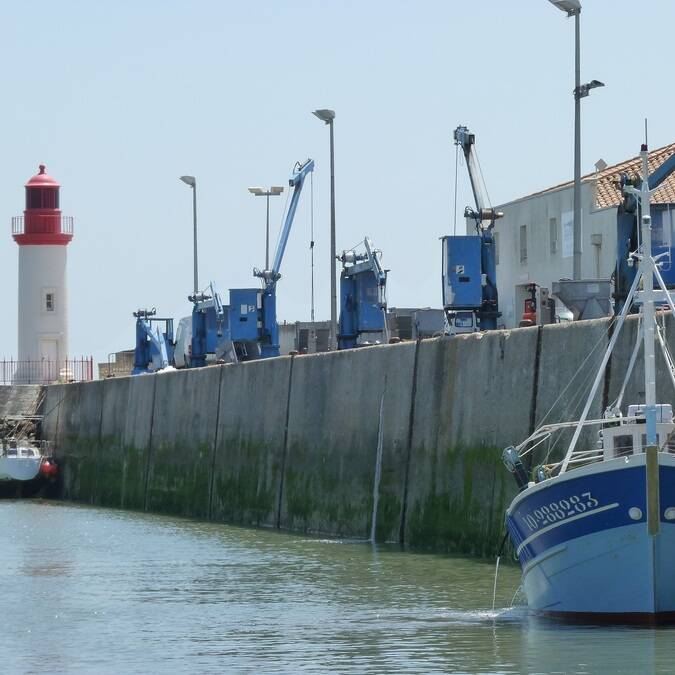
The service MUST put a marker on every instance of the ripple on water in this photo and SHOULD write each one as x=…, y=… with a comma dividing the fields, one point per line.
x=92, y=590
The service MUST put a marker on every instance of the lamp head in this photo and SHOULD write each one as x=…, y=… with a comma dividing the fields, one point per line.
x=570, y=7
x=325, y=115
x=189, y=180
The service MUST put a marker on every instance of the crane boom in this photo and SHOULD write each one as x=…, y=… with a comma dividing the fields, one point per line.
x=296, y=181
x=483, y=213
x=268, y=335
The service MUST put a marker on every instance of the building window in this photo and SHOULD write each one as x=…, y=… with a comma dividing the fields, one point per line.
x=523, y=244
x=49, y=304
x=553, y=234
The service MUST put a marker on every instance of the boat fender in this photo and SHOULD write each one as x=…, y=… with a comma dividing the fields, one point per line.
x=513, y=463
x=540, y=474
x=49, y=468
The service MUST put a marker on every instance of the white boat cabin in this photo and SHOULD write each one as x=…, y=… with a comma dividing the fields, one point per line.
x=629, y=437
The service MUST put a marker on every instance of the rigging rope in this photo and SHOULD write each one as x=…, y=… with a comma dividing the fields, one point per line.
x=578, y=370
x=482, y=178
x=454, y=224
x=311, y=240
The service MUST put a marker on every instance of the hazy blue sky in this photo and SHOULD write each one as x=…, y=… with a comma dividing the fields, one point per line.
x=120, y=98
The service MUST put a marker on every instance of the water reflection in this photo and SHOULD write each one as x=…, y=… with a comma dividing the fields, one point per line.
x=93, y=590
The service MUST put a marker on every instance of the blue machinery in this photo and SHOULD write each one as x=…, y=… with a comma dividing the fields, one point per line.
x=470, y=298
x=268, y=335
x=154, y=347
x=627, y=235
x=363, y=298
x=209, y=325
x=249, y=323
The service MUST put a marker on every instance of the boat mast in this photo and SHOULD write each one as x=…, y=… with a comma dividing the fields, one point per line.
x=647, y=296
x=646, y=272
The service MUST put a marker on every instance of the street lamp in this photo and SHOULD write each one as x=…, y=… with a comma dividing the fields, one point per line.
x=573, y=8
x=192, y=182
x=272, y=192
x=328, y=116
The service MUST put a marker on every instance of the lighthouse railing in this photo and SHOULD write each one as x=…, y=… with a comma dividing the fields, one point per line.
x=45, y=226
x=46, y=371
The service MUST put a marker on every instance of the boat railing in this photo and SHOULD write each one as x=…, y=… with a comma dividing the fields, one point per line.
x=10, y=446
x=546, y=431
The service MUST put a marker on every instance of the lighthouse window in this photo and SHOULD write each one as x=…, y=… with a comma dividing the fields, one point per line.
x=50, y=198
x=49, y=302
x=33, y=198
x=42, y=198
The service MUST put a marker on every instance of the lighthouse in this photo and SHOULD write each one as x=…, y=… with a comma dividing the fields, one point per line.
x=43, y=235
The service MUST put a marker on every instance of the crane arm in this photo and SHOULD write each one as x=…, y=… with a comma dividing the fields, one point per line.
x=483, y=211
x=296, y=182
x=375, y=263
x=154, y=335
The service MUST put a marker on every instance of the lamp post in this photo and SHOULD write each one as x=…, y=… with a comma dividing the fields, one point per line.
x=328, y=116
x=274, y=191
x=573, y=8
x=192, y=182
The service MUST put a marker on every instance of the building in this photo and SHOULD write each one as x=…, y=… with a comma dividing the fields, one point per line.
x=534, y=239
x=43, y=235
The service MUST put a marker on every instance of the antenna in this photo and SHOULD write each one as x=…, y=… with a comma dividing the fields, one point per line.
x=646, y=143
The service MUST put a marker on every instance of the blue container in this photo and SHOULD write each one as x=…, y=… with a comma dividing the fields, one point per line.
x=245, y=313
x=462, y=284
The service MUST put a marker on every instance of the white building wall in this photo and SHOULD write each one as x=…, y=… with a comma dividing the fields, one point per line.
x=43, y=325
x=546, y=263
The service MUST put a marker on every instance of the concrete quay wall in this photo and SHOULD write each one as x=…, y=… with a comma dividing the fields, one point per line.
x=402, y=442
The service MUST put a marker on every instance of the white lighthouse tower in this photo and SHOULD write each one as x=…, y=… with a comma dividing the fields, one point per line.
x=43, y=235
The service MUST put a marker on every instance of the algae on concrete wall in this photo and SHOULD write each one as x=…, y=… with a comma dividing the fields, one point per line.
x=294, y=442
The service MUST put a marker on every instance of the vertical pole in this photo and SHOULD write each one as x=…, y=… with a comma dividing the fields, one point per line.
x=576, y=274
x=267, y=234
x=194, y=221
x=333, y=287
x=647, y=266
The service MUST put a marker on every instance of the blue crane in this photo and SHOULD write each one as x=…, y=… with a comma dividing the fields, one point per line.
x=470, y=297
x=253, y=312
x=154, y=347
x=209, y=325
x=627, y=233
x=363, y=298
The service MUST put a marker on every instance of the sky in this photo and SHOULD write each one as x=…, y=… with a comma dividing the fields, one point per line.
x=120, y=99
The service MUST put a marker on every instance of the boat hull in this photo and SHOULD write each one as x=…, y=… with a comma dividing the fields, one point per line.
x=587, y=550
x=19, y=468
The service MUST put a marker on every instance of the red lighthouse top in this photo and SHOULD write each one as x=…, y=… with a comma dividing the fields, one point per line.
x=42, y=222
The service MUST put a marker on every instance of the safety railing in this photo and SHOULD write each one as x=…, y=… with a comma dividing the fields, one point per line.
x=46, y=371
x=43, y=225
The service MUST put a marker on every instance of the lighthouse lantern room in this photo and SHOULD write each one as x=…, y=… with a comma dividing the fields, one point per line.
x=43, y=235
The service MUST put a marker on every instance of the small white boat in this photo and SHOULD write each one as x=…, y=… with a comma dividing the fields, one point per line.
x=24, y=460
x=19, y=461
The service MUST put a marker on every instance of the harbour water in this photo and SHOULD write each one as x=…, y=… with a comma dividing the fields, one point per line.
x=88, y=590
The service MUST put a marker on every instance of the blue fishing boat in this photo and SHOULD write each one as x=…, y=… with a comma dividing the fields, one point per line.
x=595, y=532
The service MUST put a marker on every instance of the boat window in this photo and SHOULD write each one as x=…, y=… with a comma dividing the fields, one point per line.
x=669, y=445
x=623, y=445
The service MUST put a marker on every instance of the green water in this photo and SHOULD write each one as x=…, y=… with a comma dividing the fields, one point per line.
x=88, y=590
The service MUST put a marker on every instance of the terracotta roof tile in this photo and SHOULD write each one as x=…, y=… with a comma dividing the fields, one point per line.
x=607, y=192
